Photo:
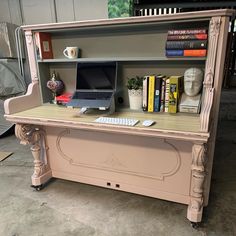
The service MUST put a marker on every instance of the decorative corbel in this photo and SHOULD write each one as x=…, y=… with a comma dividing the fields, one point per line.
x=195, y=207
x=35, y=136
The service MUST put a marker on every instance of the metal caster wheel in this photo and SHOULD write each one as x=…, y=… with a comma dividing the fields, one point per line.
x=37, y=187
x=195, y=225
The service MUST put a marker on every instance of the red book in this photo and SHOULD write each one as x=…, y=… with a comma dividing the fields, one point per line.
x=195, y=53
x=64, y=98
x=187, y=37
x=44, y=45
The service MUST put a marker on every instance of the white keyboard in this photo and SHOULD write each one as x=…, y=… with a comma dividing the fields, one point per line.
x=117, y=121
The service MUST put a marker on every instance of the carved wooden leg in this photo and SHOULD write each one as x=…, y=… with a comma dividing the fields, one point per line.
x=195, y=207
x=29, y=134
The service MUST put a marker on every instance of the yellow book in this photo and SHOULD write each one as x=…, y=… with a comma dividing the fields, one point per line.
x=151, y=88
x=174, y=93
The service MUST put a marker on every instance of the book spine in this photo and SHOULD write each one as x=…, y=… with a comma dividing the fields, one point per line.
x=167, y=94
x=174, y=53
x=157, y=94
x=145, y=93
x=195, y=53
x=186, y=53
x=151, y=88
x=173, y=94
x=45, y=48
x=176, y=86
x=193, y=31
x=187, y=37
x=186, y=44
x=163, y=87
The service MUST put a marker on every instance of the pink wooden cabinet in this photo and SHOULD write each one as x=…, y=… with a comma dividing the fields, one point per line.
x=170, y=160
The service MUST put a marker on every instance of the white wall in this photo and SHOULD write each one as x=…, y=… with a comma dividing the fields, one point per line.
x=24, y=12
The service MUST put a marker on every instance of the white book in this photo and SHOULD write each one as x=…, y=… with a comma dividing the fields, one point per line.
x=167, y=95
x=145, y=93
x=163, y=86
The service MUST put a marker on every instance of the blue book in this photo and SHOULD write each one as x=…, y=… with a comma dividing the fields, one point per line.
x=175, y=53
x=157, y=93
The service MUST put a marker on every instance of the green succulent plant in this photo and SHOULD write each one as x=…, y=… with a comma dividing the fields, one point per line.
x=135, y=83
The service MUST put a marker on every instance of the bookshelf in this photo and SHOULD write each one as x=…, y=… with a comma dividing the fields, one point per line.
x=170, y=160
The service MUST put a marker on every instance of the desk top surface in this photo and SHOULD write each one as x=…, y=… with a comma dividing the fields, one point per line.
x=179, y=126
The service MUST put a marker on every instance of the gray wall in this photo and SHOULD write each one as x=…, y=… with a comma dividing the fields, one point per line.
x=24, y=12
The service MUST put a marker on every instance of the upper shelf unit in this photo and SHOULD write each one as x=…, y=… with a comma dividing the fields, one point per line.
x=125, y=39
x=146, y=43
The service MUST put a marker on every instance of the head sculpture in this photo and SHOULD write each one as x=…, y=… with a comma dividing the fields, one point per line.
x=193, y=79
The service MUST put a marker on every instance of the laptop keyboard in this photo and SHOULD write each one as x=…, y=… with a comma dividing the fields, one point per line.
x=92, y=95
x=117, y=121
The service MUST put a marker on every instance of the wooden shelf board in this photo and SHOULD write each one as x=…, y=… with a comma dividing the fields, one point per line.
x=122, y=59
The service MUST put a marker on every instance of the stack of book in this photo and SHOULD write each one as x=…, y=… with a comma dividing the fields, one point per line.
x=186, y=43
x=152, y=92
x=161, y=93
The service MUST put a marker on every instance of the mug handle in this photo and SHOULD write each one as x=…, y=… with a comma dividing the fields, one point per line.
x=65, y=54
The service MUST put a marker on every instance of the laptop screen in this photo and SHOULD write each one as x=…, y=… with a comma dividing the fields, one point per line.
x=96, y=75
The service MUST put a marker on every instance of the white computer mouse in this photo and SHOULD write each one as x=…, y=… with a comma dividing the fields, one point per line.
x=148, y=122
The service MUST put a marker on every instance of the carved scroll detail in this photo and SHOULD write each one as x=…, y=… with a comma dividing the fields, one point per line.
x=29, y=134
x=198, y=177
x=208, y=88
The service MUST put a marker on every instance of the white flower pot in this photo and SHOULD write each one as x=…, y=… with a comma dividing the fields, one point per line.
x=135, y=99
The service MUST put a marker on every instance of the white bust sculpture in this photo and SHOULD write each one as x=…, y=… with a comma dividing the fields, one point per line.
x=190, y=99
x=193, y=78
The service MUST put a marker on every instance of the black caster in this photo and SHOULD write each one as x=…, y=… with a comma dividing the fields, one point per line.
x=37, y=187
x=195, y=225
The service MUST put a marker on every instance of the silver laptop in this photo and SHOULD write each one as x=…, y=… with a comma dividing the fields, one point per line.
x=95, y=85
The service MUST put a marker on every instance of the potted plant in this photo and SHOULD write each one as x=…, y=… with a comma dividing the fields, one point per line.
x=135, y=91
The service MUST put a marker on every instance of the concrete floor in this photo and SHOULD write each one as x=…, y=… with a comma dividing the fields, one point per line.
x=69, y=208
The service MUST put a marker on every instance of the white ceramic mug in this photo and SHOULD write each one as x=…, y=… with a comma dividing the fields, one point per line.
x=71, y=52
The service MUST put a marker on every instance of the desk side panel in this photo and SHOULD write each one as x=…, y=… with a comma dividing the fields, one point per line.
x=29, y=100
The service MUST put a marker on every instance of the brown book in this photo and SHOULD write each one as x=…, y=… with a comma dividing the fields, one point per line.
x=187, y=31
x=44, y=45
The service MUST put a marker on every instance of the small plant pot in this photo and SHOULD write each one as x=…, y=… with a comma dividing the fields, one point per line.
x=135, y=99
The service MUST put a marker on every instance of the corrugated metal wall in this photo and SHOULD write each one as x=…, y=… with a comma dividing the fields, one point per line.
x=23, y=12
